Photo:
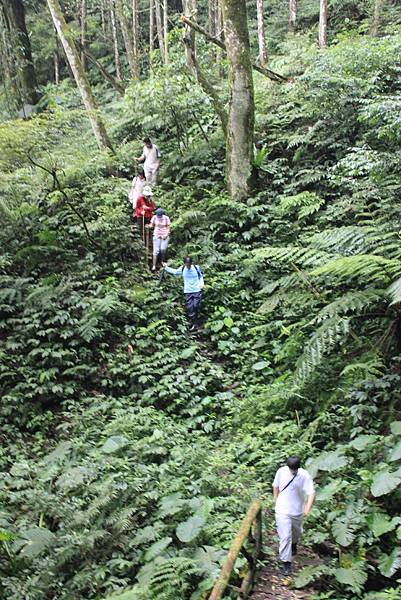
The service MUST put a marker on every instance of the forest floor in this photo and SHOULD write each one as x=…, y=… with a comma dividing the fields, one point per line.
x=271, y=584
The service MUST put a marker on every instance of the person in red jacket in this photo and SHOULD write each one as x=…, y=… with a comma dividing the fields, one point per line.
x=144, y=206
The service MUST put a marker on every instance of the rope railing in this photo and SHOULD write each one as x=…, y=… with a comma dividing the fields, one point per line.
x=250, y=531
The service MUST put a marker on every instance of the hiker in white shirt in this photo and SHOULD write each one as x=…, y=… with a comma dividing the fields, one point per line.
x=138, y=183
x=151, y=161
x=293, y=493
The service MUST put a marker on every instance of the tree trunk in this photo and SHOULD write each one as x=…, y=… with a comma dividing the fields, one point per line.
x=292, y=16
x=81, y=79
x=261, y=33
x=83, y=31
x=127, y=39
x=102, y=16
x=241, y=116
x=56, y=61
x=159, y=27
x=323, y=24
x=115, y=41
x=189, y=35
x=377, y=17
x=165, y=30
x=135, y=32
x=151, y=29
x=219, y=34
x=15, y=14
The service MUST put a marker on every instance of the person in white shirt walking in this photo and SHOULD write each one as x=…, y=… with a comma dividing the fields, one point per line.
x=293, y=493
x=150, y=158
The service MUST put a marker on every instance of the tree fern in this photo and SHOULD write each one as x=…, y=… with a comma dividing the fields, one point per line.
x=307, y=257
x=394, y=291
x=322, y=341
x=354, y=301
x=368, y=267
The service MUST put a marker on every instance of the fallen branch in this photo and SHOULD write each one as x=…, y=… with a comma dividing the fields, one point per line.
x=266, y=72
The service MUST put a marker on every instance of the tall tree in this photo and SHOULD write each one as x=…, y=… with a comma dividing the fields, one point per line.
x=83, y=31
x=115, y=40
x=377, y=12
x=135, y=32
x=261, y=32
x=78, y=71
x=159, y=27
x=292, y=15
x=323, y=24
x=239, y=150
x=165, y=30
x=127, y=38
x=14, y=12
x=151, y=29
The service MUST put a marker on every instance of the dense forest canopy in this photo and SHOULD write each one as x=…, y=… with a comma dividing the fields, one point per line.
x=130, y=448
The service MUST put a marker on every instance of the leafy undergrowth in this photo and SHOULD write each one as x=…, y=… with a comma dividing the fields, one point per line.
x=131, y=450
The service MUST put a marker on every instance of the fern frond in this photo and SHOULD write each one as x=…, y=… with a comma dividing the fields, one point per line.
x=323, y=340
x=344, y=240
x=283, y=283
x=394, y=291
x=306, y=202
x=282, y=298
x=355, y=301
x=307, y=257
x=369, y=267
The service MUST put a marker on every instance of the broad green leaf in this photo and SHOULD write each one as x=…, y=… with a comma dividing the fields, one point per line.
x=157, y=548
x=59, y=452
x=228, y=322
x=362, y=442
x=37, y=540
x=114, y=443
x=395, y=453
x=326, y=492
x=171, y=505
x=380, y=523
x=355, y=577
x=331, y=461
x=384, y=482
x=188, y=352
x=259, y=366
x=395, y=427
x=209, y=559
x=342, y=533
x=309, y=574
x=190, y=529
x=72, y=478
x=390, y=563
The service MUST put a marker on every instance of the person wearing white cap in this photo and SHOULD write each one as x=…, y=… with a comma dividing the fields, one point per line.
x=161, y=235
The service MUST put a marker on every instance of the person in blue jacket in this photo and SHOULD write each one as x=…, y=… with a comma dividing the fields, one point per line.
x=193, y=286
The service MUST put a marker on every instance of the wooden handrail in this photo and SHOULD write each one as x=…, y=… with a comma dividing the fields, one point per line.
x=252, y=518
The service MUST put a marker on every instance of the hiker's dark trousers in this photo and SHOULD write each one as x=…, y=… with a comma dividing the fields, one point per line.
x=193, y=302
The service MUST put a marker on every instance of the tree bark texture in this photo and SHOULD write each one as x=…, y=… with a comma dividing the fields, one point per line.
x=377, y=12
x=135, y=32
x=323, y=24
x=127, y=38
x=159, y=27
x=151, y=29
x=14, y=11
x=115, y=41
x=165, y=30
x=261, y=33
x=83, y=31
x=241, y=115
x=292, y=15
x=81, y=79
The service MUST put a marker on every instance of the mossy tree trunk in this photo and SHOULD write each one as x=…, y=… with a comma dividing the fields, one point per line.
x=77, y=69
x=292, y=15
x=115, y=41
x=239, y=152
x=120, y=8
x=14, y=11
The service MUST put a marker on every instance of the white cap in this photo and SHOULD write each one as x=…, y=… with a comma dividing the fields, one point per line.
x=147, y=191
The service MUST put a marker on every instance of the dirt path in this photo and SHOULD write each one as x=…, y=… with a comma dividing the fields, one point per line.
x=272, y=585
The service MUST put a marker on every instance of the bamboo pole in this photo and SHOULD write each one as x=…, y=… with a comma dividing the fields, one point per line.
x=236, y=545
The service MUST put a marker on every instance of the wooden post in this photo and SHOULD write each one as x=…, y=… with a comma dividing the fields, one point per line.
x=254, y=512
